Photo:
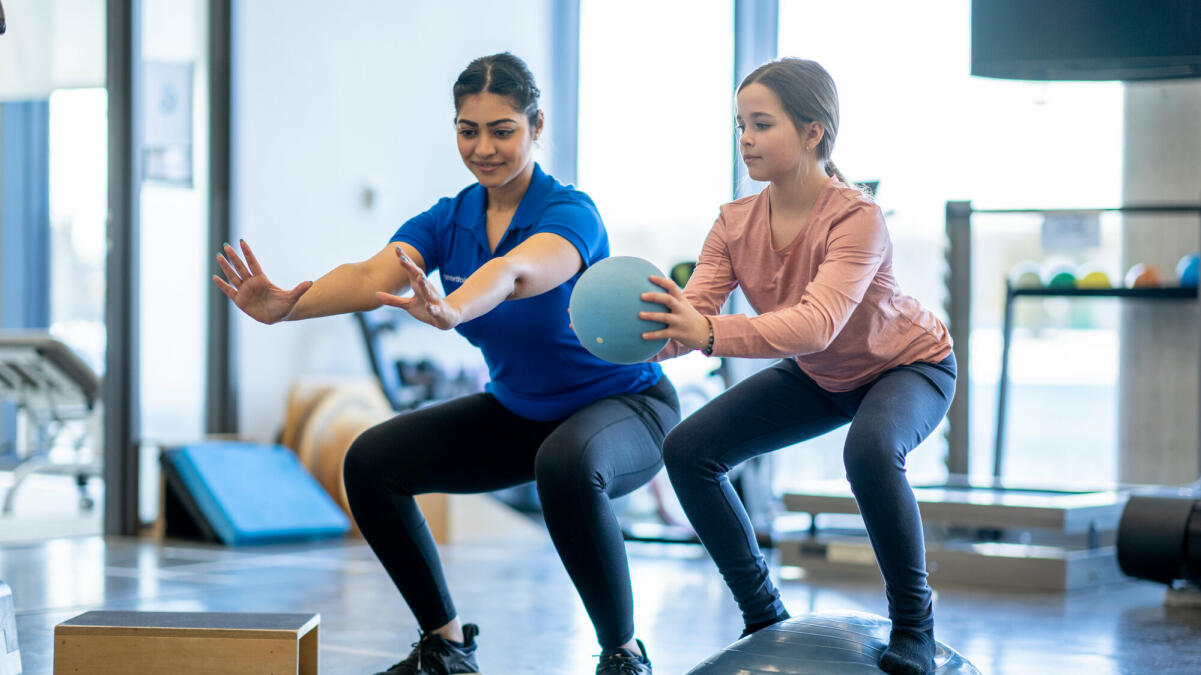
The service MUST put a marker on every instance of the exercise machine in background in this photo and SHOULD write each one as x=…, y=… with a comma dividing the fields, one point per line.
x=1159, y=539
x=57, y=393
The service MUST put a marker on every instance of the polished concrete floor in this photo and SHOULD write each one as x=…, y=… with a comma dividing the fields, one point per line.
x=532, y=622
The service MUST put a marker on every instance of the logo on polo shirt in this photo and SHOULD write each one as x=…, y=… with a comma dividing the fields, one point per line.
x=456, y=279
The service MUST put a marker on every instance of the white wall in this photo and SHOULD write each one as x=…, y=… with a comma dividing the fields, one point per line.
x=329, y=98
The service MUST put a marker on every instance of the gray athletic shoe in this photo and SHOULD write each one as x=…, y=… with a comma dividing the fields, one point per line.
x=434, y=655
x=621, y=662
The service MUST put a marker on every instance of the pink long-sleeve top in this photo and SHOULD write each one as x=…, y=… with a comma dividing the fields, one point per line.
x=828, y=299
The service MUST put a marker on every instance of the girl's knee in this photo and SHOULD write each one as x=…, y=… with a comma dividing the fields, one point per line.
x=868, y=453
x=683, y=450
x=674, y=451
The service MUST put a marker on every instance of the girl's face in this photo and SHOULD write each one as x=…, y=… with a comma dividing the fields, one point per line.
x=772, y=147
x=494, y=139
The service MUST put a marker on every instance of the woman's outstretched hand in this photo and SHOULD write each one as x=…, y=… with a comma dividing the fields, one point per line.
x=251, y=290
x=684, y=324
x=426, y=304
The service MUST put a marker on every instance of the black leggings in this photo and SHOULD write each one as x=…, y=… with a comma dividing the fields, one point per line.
x=473, y=444
x=780, y=406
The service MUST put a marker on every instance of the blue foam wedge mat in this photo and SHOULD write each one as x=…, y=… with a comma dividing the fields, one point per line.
x=244, y=493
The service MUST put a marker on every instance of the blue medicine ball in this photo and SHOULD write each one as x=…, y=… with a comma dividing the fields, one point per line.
x=1187, y=270
x=604, y=309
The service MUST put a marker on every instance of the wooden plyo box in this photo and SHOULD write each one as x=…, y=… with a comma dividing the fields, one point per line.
x=187, y=643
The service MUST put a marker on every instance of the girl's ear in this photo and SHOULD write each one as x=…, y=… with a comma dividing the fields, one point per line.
x=814, y=132
x=538, y=126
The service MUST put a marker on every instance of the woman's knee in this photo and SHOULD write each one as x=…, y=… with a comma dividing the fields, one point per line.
x=566, y=470
x=376, y=457
x=359, y=461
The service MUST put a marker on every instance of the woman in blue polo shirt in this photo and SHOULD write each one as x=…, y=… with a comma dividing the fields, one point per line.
x=509, y=249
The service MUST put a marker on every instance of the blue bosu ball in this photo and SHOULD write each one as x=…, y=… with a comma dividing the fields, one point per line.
x=604, y=309
x=825, y=643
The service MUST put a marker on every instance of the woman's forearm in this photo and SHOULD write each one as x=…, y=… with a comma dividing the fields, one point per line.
x=493, y=283
x=346, y=288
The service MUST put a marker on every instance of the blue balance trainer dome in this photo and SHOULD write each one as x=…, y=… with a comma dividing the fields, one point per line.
x=604, y=309
x=826, y=643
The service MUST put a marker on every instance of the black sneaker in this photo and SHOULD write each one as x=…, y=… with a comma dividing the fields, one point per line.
x=434, y=655
x=622, y=662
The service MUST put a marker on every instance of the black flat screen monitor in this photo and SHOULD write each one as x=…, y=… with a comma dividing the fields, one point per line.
x=1086, y=39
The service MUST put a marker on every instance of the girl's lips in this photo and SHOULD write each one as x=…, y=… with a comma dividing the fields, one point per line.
x=487, y=167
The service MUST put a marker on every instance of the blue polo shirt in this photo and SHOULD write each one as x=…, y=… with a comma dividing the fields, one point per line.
x=537, y=366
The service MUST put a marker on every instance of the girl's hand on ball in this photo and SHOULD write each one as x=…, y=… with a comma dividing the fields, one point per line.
x=684, y=324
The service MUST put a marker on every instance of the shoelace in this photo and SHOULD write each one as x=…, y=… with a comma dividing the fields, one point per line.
x=420, y=647
x=625, y=663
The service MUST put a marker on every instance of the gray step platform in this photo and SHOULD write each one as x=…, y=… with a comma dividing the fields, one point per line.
x=1043, y=539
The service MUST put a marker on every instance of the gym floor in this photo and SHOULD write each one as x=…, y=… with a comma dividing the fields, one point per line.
x=531, y=621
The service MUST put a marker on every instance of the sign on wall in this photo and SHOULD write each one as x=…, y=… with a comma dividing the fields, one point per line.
x=167, y=122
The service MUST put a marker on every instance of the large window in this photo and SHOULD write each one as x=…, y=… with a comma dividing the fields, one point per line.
x=914, y=119
x=656, y=121
x=656, y=118
x=78, y=202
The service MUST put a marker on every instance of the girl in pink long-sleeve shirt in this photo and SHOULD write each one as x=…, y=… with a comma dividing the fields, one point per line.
x=814, y=259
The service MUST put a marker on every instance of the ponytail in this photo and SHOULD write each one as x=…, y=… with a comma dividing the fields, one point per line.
x=832, y=170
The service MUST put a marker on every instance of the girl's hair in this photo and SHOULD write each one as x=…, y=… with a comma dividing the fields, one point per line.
x=504, y=75
x=808, y=94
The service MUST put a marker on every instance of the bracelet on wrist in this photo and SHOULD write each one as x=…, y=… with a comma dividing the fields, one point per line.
x=708, y=349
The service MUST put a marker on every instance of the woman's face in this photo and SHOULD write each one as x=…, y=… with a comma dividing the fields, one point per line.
x=771, y=145
x=494, y=139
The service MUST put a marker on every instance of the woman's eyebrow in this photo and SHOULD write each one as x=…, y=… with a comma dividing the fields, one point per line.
x=490, y=124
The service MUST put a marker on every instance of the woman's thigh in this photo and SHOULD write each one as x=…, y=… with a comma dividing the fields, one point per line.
x=614, y=444
x=465, y=445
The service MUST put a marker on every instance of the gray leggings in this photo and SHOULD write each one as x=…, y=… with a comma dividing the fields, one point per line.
x=781, y=406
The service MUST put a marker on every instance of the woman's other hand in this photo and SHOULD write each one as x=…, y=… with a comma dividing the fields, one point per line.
x=426, y=304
